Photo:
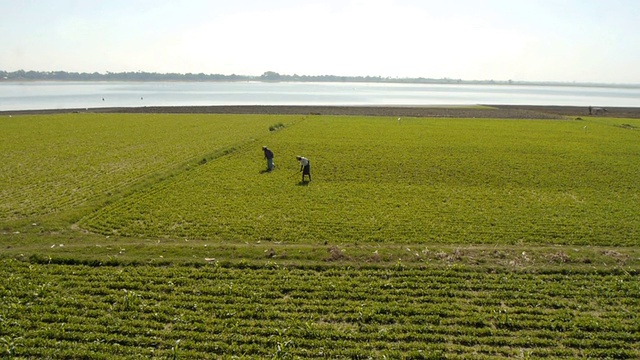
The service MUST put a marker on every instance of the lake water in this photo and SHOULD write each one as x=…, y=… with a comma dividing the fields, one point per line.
x=78, y=95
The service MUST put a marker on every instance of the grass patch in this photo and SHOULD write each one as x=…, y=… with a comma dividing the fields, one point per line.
x=276, y=127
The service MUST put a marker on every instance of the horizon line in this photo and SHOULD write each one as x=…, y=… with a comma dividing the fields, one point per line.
x=274, y=76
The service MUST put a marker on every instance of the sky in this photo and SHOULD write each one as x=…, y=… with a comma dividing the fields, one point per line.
x=521, y=40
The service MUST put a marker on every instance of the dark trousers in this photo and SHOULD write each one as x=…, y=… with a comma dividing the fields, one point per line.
x=306, y=170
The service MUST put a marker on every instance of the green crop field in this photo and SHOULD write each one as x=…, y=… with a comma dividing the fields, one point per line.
x=161, y=236
x=77, y=311
x=54, y=164
x=424, y=180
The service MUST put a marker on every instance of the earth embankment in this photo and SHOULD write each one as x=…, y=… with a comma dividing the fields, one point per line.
x=484, y=111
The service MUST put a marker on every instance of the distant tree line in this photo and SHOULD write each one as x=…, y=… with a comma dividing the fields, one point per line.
x=22, y=75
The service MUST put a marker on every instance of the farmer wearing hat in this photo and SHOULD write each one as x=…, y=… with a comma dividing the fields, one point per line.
x=305, y=167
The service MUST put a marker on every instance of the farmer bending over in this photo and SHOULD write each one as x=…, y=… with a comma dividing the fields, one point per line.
x=305, y=167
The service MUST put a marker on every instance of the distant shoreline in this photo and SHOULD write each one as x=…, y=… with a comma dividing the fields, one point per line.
x=271, y=76
x=454, y=111
x=381, y=81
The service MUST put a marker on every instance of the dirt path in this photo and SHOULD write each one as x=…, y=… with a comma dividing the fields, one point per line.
x=490, y=111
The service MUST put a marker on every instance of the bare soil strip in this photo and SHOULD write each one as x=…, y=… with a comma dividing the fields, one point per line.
x=486, y=111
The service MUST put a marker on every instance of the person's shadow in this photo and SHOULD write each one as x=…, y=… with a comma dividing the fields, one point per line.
x=265, y=171
x=303, y=183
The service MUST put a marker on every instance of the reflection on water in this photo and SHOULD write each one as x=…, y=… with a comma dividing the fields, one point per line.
x=72, y=95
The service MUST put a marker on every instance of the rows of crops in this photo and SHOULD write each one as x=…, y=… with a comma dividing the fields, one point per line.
x=58, y=311
x=53, y=164
x=418, y=180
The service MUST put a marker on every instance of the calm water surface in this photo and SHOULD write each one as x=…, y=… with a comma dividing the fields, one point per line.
x=76, y=95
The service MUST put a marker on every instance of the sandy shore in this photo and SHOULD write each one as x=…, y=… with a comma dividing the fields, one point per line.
x=489, y=111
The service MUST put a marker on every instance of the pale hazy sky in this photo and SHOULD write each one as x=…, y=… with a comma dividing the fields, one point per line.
x=529, y=40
